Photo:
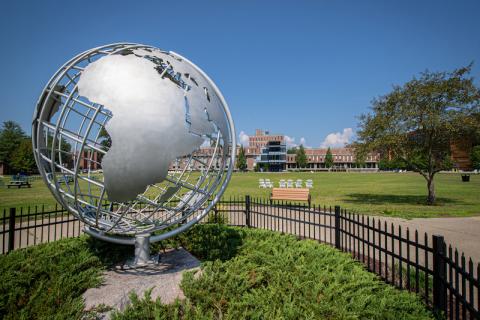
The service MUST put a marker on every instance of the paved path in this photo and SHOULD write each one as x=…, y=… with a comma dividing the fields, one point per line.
x=462, y=233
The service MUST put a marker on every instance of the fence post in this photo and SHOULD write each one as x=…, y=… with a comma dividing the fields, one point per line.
x=247, y=210
x=439, y=275
x=11, y=229
x=337, y=227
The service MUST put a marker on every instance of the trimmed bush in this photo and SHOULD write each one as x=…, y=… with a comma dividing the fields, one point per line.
x=47, y=281
x=274, y=276
x=246, y=273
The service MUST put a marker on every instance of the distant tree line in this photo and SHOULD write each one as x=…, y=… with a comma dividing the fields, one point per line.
x=16, y=152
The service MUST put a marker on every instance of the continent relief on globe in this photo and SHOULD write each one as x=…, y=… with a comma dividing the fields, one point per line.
x=151, y=124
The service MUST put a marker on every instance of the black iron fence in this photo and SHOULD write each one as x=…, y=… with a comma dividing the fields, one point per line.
x=446, y=280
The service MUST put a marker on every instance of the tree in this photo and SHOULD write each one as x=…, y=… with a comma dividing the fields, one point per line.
x=301, y=157
x=105, y=139
x=242, y=160
x=417, y=122
x=329, y=158
x=65, y=147
x=475, y=157
x=292, y=150
x=22, y=159
x=393, y=164
x=11, y=135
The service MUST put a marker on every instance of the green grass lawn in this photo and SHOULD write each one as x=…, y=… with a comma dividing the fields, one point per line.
x=246, y=274
x=389, y=194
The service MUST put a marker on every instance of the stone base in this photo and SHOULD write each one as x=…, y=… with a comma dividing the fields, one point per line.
x=164, y=277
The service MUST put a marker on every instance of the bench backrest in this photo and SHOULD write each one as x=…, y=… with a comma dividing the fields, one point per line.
x=290, y=193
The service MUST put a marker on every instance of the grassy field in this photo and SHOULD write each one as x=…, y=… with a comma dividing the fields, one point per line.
x=246, y=274
x=389, y=194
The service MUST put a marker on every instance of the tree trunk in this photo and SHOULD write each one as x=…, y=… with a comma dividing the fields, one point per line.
x=431, y=191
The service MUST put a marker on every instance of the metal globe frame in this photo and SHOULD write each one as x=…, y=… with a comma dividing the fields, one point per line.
x=60, y=109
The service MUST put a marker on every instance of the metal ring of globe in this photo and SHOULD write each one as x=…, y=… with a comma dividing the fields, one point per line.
x=72, y=134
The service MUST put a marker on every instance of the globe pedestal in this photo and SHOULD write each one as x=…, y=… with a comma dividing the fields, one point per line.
x=142, y=256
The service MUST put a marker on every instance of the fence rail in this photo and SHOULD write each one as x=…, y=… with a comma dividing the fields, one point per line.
x=447, y=281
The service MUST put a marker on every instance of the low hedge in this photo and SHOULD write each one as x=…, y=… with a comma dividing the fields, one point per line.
x=246, y=273
x=265, y=275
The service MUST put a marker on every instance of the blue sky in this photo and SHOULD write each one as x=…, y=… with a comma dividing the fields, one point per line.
x=306, y=69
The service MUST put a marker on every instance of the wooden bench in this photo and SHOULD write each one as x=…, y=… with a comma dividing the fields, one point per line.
x=18, y=184
x=292, y=194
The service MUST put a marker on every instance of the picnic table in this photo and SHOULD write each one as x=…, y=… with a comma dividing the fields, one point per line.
x=19, y=184
x=19, y=181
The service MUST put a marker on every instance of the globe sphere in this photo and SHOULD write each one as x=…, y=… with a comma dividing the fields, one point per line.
x=132, y=139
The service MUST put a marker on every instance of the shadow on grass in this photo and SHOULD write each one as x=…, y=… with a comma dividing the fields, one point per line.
x=394, y=199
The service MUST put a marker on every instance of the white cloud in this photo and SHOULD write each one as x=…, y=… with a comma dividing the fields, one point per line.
x=243, y=138
x=304, y=143
x=338, y=139
x=290, y=142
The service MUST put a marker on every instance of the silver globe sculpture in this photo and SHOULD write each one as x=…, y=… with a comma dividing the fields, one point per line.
x=136, y=142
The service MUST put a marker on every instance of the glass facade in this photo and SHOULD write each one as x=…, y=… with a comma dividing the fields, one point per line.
x=273, y=156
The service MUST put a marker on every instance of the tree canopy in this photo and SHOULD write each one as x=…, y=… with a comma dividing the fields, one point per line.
x=475, y=157
x=417, y=122
x=242, y=160
x=329, y=158
x=11, y=136
x=23, y=159
x=301, y=157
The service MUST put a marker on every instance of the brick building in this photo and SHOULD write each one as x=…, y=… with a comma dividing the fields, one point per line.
x=342, y=157
x=264, y=148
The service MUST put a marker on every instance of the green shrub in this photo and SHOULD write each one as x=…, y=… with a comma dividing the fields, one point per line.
x=209, y=242
x=273, y=276
x=246, y=273
x=47, y=281
x=217, y=217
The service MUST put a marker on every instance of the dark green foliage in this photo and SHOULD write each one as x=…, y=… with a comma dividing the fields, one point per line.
x=475, y=157
x=67, y=158
x=47, y=281
x=11, y=135
x=275, y=276
x=329, y=159
x=418, y=121
x=22, y=159
x=242, y=160
x=210, y=242
x=146, y=308
x=301, y=157
x=217, y=217
x=247, y=273
x=394, y=164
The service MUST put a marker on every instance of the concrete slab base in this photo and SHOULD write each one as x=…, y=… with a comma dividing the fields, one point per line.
x=164, y=278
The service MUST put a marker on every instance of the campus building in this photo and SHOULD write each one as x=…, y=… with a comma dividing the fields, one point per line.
x=269, y=153
x=343, y=158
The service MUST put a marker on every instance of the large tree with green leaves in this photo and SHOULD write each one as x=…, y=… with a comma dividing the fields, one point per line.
x=329, y=158
x=242, y=160
x=22, y=159
x=417, y=122
x=11, y=135
x=301, y=157
x=475, y=157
